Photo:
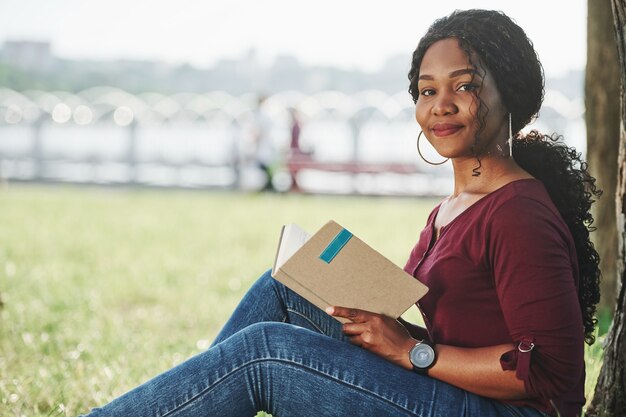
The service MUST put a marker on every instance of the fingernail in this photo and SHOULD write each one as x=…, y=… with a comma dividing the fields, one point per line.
x=330, y=310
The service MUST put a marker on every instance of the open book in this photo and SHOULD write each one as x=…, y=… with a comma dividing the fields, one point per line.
x=334, y=267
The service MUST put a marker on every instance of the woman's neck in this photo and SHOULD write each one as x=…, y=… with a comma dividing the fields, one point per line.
x=495, y=171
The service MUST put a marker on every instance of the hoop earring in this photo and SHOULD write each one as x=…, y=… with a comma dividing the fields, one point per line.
x=510, y=136
x=422, y=156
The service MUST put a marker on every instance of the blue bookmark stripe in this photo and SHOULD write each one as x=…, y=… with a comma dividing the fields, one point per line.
x=335, y=246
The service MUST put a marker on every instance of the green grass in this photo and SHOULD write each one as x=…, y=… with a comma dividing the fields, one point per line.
x=103, y=289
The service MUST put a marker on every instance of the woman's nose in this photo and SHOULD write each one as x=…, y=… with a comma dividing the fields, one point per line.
x=444, y=105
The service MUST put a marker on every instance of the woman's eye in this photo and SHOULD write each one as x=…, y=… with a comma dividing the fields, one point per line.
x=468, y=87
x=427, y=92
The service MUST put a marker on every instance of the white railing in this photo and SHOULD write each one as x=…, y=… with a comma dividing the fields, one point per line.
x=106, y=135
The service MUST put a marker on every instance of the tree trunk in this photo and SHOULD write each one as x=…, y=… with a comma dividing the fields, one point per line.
x=602, y=115
x=609, y=399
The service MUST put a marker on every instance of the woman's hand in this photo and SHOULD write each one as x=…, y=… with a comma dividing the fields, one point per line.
x=382, y=335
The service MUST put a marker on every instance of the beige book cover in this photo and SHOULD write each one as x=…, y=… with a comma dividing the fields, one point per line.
x=334, y=267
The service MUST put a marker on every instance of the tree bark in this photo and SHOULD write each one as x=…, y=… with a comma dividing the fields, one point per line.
x=602, y=114
x=609, y=399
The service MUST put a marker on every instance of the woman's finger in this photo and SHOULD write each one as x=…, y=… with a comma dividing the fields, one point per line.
x=354, y=328
x=352, y=314
x=356, y=340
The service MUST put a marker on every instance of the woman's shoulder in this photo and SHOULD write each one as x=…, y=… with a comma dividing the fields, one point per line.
x=526, y=192
x=523, y=204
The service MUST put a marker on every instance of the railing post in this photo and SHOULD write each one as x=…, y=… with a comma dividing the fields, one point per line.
x=237, y=154
x=356, y=124
x=39, y=167
x=131, y=153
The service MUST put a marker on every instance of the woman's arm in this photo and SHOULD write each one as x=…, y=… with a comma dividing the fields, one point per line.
x=476, y=370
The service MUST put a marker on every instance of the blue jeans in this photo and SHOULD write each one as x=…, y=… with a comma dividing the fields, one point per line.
x=280, y=354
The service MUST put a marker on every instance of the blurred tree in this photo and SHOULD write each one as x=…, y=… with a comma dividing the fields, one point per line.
x=609, y=399
x=18, y=80
x=602, y=119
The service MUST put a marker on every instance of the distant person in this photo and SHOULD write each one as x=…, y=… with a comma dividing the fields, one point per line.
x=264, y=149
x=513, y=275
x=296, y=155
x=295, y=146
x=296, y=128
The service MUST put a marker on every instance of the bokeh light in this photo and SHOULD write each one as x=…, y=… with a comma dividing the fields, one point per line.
x=13, y=114
x=82, y=115
x=61, y=113
x=123, y=116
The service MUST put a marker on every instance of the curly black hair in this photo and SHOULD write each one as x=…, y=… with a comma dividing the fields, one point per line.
x=502, y=47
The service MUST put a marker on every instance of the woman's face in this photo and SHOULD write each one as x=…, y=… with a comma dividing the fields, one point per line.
x=447, y=106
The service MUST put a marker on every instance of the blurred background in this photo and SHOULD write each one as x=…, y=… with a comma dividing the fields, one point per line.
x=154, y=94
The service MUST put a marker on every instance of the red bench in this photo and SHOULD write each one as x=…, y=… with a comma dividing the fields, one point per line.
x=297, y=162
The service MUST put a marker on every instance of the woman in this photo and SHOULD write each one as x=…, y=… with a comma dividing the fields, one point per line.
x=513, y=276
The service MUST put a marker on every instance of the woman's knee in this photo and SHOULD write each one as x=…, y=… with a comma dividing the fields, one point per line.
x=276, y=337
x=265, y=281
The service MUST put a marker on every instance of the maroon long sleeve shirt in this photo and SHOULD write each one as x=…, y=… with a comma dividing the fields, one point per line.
x=505, y=271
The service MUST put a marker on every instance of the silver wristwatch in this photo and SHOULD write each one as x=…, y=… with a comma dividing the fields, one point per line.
x=422, y=356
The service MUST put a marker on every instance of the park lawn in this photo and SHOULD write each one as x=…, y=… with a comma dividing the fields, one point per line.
x=104, y=288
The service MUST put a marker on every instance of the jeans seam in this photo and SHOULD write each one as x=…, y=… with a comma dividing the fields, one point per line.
x=289, y=310
x=514, y=412
x=295, y=365
x=275, y=288
x=510, y=410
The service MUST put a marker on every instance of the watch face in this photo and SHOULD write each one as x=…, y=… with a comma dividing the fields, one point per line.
x=422, y=355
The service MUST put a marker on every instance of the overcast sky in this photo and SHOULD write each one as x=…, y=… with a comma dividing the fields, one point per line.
x=347, y=33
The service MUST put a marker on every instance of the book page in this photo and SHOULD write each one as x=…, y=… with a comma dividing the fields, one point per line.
x=292, y=239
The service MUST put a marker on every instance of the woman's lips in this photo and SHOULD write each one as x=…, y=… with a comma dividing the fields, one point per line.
x=445, y=129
